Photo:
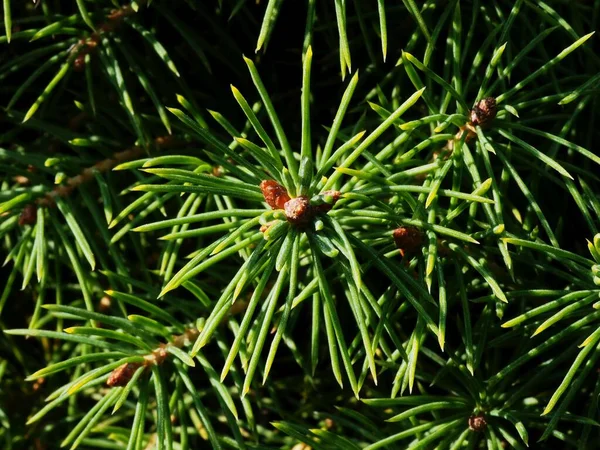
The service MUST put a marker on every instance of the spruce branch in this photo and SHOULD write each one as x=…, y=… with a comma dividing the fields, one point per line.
x=412, y=274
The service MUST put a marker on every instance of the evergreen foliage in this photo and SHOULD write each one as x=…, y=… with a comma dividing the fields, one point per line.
x=300, y=225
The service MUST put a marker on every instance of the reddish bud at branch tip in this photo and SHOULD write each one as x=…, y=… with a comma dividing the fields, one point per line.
x=483, y=112
x=298, y=210
x=28, y=215
x=325, y=207
x=408, y=239
x=477, y=423
x=275, y=195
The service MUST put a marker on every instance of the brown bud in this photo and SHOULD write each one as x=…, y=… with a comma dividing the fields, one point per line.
x=23, y=181
x=275, y=194
x=104, y=304
x=93, y=41
x=325, y=207
x=477, y=423
x=331, y=193
x=408, y=239
x=39, y=383
x=118, y=14
x=484, y=112
x=298, y=210
x=114, y=14
x=79, y=63
x=28, y=215
x=166, y=142
x=122, y=374
x=217, y=171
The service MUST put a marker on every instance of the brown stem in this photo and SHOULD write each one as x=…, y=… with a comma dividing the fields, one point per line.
x=159, y=354
x=85, y=46
x=103, y=166
x=87, y=174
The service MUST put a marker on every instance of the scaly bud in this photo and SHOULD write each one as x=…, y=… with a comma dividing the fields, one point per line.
x=484, y=112
x=298, y=210
x=275, y=194
x=408, y=239
x=330, y=198
x=28, y=215
x=477, y=423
